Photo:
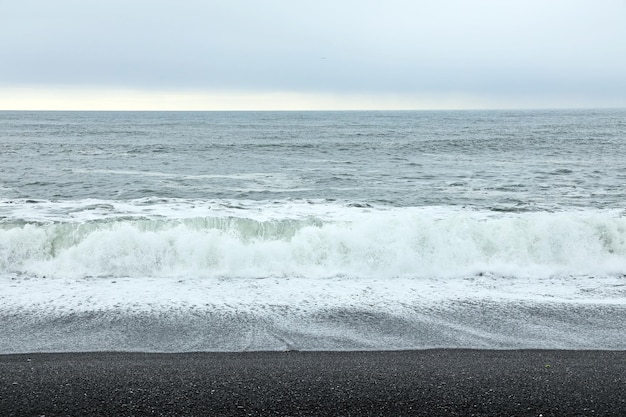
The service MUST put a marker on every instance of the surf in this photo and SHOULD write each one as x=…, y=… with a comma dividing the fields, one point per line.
x=303, y=239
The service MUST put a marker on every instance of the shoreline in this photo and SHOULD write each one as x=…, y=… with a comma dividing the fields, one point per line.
x=365, y=383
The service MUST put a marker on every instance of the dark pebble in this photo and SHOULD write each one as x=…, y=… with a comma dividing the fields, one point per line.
x=406, y=383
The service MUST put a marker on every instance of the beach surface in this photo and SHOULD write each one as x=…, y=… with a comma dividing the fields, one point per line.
x=451, y=382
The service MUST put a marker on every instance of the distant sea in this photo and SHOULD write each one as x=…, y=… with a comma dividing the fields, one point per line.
x=231, y=231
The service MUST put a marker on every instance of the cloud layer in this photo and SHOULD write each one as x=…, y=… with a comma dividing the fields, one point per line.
x=529, y=51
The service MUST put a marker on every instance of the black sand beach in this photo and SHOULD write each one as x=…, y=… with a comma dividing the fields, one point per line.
x=429, y=382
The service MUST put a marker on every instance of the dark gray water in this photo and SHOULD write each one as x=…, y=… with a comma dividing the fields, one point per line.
x=530, y=160
x=312, y=230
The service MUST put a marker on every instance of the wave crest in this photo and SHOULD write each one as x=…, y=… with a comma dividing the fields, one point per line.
x=407, y=242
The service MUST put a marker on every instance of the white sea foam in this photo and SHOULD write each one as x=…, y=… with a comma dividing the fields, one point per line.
x=213, y=239
x=165, y=314
x=252, y=181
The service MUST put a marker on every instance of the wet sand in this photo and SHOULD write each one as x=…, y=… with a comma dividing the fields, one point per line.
x=429, y=382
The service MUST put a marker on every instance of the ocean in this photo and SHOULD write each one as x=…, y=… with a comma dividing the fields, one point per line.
x=235, y=231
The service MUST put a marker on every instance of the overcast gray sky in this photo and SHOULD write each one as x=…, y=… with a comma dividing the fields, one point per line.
x=312, y=54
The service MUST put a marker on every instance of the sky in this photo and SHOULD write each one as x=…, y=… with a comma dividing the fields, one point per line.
x=311, y=55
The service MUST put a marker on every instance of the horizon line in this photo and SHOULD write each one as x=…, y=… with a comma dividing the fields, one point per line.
x=451, y=109
x=98, y=99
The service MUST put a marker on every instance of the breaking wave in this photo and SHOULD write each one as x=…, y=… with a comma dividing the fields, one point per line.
x=317, y=241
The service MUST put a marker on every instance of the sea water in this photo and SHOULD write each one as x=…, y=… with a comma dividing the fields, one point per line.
x=179, y=231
